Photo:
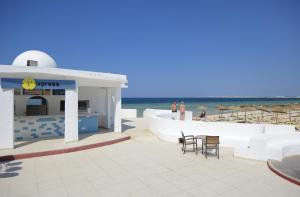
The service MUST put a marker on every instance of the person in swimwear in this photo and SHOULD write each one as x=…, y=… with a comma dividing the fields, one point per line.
x=174, y=107
x=182, y=111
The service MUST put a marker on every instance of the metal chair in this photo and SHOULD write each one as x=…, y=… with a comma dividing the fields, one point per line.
x=188, y=140
x=211, y=143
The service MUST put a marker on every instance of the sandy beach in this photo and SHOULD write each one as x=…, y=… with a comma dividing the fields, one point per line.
x=255, y=117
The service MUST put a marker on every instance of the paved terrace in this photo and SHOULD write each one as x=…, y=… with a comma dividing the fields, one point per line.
x=142, y=166
x=54, y=144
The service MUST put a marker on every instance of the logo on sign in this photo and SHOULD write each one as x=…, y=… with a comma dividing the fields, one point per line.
x=28, y=83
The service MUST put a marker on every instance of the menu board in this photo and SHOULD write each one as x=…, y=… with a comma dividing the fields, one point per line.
x=58, y=92
x=17, y=91
x=37, y=92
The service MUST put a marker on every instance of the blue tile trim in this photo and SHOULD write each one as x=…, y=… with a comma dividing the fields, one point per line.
x=46, y=133
x=46, y=119
x=19, y=138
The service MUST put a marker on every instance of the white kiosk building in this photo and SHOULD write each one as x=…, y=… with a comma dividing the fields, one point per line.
x=39, y=100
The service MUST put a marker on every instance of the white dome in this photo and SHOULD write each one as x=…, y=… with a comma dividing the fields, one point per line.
x=42, y=59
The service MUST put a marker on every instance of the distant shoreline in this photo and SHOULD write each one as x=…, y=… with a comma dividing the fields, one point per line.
x=272, y=97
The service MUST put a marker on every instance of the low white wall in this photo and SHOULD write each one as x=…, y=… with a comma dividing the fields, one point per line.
x=167, y=114
x=129, y=113
x=255, y=141
x=231, y=134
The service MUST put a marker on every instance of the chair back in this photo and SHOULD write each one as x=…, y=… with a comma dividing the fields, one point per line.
x=212, y=140
x=183, y=137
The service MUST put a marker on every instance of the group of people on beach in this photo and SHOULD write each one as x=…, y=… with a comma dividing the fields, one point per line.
x=181, y=109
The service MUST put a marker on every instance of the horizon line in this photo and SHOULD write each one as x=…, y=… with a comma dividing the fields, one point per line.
x=222, y=97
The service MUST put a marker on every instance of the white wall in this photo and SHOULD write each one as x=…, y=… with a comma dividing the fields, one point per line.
x=6, y=119
x=98, y=103
x=255, y=141
x=129, y=113
x=71, y=115
x=117, y=109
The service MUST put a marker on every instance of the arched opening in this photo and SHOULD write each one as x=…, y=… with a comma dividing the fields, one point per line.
x=36, y=106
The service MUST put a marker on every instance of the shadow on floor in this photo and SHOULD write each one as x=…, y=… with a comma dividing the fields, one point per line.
x=81, y=136
x=125, y=120
x=19, y=144
x=126, y=127
x=10, y=169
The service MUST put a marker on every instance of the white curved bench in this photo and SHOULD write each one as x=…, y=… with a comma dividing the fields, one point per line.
x=255, y=141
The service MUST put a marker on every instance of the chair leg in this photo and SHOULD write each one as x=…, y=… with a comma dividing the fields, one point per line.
x=194, y=147
x=218, y=152
x=205, y=152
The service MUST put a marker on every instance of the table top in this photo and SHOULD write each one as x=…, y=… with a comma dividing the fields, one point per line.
x=200, y=137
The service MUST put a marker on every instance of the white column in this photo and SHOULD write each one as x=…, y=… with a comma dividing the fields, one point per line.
x=117, y=113
x=6, y=118
x=109, y=101
x=71, y=115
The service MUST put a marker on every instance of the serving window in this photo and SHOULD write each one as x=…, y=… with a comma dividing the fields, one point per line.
x=83, y=105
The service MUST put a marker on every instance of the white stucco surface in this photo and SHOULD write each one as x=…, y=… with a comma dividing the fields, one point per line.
x=102, y=90
x=71, y=115
x=6, y=118
x=254, y=141
x=129, y=113
x=117, y=109
x=43, y=59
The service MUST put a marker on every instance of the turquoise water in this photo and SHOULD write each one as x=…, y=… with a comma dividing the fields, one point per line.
x=193, y=103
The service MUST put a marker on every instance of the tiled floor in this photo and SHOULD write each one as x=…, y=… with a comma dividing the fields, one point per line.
x=22, y=147
x=143, y=166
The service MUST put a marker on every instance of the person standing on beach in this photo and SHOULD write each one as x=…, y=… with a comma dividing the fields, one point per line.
x=174, y=107
x=182, y=111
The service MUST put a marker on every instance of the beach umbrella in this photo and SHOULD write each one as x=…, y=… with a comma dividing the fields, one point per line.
x=263, y=108
x=232, y=109
x=246, y=108
x=295, y=107
x=237, y=109
x=202, y=108
x=221, y=108
x=279, y=109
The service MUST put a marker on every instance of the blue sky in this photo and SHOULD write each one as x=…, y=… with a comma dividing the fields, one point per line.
x=166, y=48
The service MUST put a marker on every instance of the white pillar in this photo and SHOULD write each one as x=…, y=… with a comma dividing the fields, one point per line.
x=117, y=112
x=6, y=118
x=71, y=115
x=109, y=101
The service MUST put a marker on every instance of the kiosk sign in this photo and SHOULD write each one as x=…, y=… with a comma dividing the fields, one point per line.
x=28, y=84
x=31, y=84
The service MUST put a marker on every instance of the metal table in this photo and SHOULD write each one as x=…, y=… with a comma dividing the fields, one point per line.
x=202, y=138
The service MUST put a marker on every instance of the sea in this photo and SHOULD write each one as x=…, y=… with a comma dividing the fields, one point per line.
x=192, y=104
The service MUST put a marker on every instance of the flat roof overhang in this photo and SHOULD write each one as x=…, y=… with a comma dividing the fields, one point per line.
x=83, y=78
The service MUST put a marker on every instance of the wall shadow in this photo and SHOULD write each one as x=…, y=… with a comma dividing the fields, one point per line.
x=125, y=120
x=10, y=169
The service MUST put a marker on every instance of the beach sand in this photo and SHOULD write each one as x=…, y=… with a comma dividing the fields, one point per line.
x=255, y=117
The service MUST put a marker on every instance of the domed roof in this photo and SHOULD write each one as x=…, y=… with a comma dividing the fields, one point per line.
x=42, y=59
